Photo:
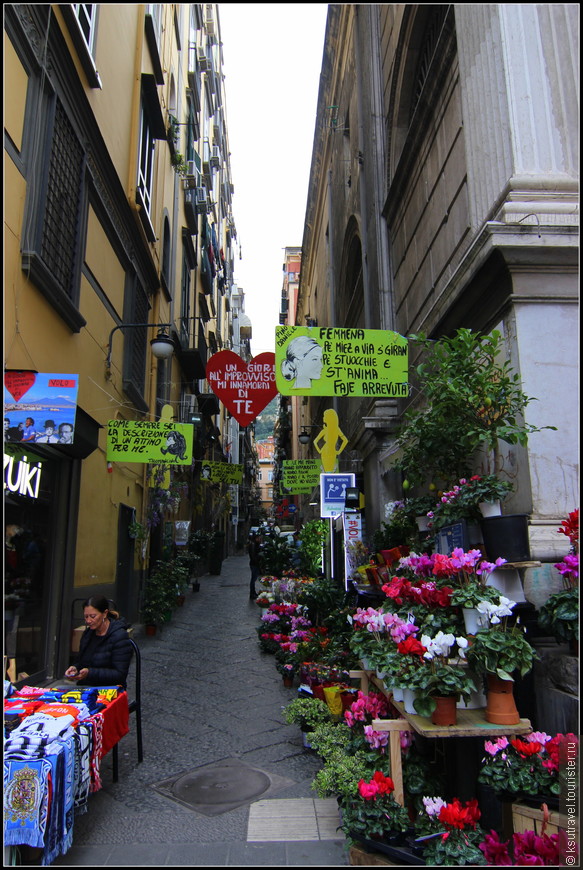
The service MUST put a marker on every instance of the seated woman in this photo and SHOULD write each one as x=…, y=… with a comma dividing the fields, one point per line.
x=105, y=650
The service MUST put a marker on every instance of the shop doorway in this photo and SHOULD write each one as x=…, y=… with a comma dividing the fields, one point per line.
x=126, y=592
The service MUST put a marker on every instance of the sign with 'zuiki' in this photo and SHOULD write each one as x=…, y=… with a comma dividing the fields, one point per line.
x=221, y=472
x=149, y=441
x=326, y=361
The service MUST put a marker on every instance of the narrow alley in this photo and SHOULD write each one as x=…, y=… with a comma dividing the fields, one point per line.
x=210, y=697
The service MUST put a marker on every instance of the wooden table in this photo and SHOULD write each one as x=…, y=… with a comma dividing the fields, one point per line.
x=471, y=723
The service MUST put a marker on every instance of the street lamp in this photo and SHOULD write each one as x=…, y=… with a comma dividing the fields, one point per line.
x=304, y=437
x=162, y=345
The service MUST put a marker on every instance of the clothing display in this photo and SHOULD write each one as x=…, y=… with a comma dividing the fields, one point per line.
x=54, y=740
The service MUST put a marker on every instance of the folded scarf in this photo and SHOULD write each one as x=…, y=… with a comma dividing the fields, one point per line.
x=25, y=801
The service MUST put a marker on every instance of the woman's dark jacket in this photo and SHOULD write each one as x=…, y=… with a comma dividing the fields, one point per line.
x=108, y=657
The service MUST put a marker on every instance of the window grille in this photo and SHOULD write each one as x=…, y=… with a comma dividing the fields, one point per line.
x=61, y=224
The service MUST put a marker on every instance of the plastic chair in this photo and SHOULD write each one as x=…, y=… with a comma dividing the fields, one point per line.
x=134, y=706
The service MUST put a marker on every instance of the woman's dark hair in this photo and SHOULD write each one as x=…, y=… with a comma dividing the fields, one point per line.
x=101, y=603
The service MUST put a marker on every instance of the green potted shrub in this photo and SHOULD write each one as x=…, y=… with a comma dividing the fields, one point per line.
x=307, y=713
x=471, y=398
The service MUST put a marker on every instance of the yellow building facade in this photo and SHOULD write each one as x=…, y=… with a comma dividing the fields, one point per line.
x=118, y=226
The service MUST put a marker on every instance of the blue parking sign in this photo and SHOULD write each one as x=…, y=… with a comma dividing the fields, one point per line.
x=333, y=492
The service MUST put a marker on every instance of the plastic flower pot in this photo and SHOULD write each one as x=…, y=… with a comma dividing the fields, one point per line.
x=507, y=537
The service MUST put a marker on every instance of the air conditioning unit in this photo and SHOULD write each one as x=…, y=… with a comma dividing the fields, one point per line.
x=216, y=157
x=201, y=201
x=203, y=61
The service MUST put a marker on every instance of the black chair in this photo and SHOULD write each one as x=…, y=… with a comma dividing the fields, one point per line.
x=135, y=706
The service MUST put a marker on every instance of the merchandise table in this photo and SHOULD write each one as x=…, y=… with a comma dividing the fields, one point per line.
x=54, y=742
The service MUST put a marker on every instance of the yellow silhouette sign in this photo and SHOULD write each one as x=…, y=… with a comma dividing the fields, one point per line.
x=330, y=441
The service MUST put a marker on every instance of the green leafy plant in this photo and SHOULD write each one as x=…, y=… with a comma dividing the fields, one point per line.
x=398, y=530
x=307, y=713
x=340, y=774
x=471, y=398
x=500, y=649
x=560, y=615
x=312, y=539
x=373, y=812
x=524, y=766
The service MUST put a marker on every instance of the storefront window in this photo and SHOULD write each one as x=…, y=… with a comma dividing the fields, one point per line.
x=28, y=485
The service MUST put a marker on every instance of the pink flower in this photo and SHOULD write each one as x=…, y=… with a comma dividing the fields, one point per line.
x=368, y=790
x=377, y=739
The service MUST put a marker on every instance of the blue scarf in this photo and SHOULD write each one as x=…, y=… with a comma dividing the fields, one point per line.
x=26, y=797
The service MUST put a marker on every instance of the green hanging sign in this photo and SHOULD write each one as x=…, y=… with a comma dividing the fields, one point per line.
x=149, y=441
x=328, y=361
x=300, y=476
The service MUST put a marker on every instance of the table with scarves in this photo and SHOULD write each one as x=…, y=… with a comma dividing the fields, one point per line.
x=54, y=741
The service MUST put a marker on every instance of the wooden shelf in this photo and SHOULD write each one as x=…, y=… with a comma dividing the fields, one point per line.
x=470, y=723
x=531, y=564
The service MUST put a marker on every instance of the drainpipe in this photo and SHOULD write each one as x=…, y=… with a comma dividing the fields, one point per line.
x=368, y=321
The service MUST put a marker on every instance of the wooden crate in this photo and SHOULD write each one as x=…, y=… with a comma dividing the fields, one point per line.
x=358, y=856
x=526, y=818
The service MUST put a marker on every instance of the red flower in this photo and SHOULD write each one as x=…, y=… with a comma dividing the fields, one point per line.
x=526, y=749
x=457, y=816
x=410, y=646
x=385, y=783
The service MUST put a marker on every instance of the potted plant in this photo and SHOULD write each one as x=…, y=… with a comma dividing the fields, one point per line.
x=472, y=398
x=397, y=531
x=444, y=677
x=469, y=575
x=287, y=671
x=527, y=848
x=498, y=651
x=559, y=615
x=373, y=814
x=307, y=713
x=525, y=767
x=449, y=832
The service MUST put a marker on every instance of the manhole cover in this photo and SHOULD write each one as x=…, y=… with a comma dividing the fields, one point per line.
x=220, y=787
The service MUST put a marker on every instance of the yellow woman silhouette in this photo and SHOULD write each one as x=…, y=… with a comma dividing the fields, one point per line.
x=326, y=441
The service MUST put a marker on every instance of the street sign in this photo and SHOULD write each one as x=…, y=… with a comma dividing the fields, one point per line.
x=332, y=493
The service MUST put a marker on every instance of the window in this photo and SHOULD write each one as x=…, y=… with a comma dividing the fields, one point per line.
x=51, y=253
x=135, y=343
x=81, y=19
x=86, y=15
x=146, y=166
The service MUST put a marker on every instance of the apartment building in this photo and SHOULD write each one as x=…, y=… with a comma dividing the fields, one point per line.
x=444, y=193
x=119, y=229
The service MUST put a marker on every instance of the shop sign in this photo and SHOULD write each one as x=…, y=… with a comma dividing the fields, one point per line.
x=149, y=441
x=333, y=492
x=40, y=407
x=21, y=477
x=326, y=361
x=352, y=535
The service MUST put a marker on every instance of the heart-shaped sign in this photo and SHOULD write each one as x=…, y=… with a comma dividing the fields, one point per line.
x=244, y=388
x=18, y=383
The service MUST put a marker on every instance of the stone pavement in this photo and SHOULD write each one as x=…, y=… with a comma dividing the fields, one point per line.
x=209, y=695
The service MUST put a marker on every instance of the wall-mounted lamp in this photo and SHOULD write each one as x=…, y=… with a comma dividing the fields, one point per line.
x=162, y=345
x=304, y=437
x=352, y=498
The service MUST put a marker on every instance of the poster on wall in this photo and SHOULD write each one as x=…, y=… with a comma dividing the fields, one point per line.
x=149, y=441
x=221, y=472
x=40, y=407
x=244, y=388
x=300, y=476
x=327, y=361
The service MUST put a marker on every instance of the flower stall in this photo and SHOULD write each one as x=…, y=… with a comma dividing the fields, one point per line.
x=385, y=755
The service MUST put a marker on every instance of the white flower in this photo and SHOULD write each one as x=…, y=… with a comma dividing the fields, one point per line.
x=433, y=805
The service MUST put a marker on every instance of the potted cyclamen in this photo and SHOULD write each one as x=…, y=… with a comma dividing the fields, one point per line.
x=449, y=832
x=373, y=815
x=469, y=577
x=445, y=679
x=498, y=651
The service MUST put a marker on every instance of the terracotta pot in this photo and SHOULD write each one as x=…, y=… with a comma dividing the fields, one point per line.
x=151, y=630
x=180, y=599
x=446, y=711
x=288, y=682
x=500, y=707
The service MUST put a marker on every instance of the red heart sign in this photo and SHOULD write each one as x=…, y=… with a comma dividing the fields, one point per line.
x=244, y=388
x=18, y=383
